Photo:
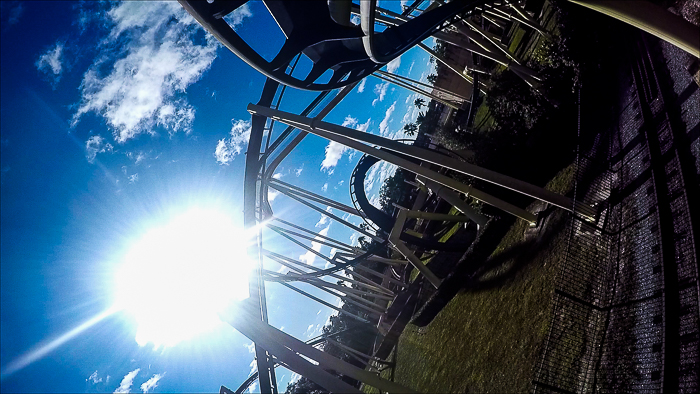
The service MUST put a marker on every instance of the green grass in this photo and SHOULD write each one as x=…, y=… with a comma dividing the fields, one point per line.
x=488, y=339
x=482, y=118
x=443, y=238
x=515, y=42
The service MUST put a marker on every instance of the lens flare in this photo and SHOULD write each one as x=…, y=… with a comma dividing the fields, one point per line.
x=38, y=353
x=177, y=278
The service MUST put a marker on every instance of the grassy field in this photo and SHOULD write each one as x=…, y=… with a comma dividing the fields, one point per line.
x=487, y=338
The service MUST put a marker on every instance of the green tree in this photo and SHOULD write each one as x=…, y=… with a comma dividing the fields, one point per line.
x=394, y=191
x=420, y=119
x=432, y=78
x=440, y=47
x=304, y=385
x=410, y=129
x=420, y=103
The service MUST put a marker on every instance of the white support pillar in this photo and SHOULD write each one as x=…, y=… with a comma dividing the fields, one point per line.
x=416, y=90
x=350, y=290
x=451, y=66
x=307, y=237
x=407, y=253
x=349, y=298
x=335, y=217
x=527, y=20
x=276, y=183
x=322, y=302
x=288, y=350
x=394, y=262
x=379, y=275
x=454, y=199
x=494, y=43
x=652, y=19
x=308, y=248
x=356, y=352
x=279, y=258
x=351, y=138
x=345, y=246
x=409, y=80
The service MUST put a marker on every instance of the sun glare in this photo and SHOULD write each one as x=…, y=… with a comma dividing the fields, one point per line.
x=178, y=277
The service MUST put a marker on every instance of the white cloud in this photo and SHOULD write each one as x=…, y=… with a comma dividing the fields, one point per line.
x=51, y=62
x=125, y=385
x=253, y=387
x=335, y=150
x=380, y=91
x=277, y=175
x=324, y=187
x=295, y=377
x=361, y=86
x=410, y=115
x=364, y=126
x=94, y=378
x=413, y=63
x=251, y=348
x=299, y=170
x=94, y=145
x=253, y=367
x=158, y=58
x=354, y=239
x=384, y=125
x=228, y=148
x=13, y=15
x=321, y=222
x=235, y=18
x=377, y=175
x=324, y=218
x=309, y=257
x=151, y=383
x=272, y=194
x=137, y=157
x=134, y=178
x=393, y=65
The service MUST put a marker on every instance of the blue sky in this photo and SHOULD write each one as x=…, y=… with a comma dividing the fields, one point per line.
x=115, y=119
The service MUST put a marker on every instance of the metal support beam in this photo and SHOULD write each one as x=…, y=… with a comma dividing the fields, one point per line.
x=380, y=275
x=349, y=298
x=288, y=350
x=488, y=38
x=416, y=90
x=322, y=302
x=341, y=245
x=527, y=20
x=379, y=259
x=351, y=138
x=652, y=19
x=450, y=66
x=335, y=217
x=370, y=287
x=409, y=80
x=454, y=199
x=315, y=197
x=407, y=253
x=307, y=237
x=358, y=353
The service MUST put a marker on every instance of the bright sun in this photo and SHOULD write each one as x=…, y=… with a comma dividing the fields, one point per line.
x=177, y=278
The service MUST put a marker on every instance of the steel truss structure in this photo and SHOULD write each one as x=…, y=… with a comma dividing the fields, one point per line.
x=322, y=31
